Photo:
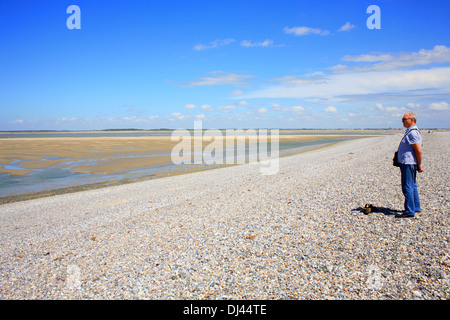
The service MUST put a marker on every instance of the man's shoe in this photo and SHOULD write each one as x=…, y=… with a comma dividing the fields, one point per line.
x=404, y=215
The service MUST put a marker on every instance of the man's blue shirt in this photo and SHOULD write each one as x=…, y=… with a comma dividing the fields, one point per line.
x=406, y=154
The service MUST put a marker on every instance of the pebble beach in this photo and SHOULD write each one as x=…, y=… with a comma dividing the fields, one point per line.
x=232, y=233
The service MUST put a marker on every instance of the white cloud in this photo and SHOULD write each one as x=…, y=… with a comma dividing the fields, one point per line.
x=227, y=108
x=214, y=44
x=392, y=83
x=394, y=109
x=340, y=86
x=207, y=107
x=338, y=67
x=331, y=109
x=220, y=78
x=439, y=54
x=237, y=92
x=297, y=109
x=347, y=26
x=262, y=110
x=303, y=31
x=200, y=116
x=439, y=106
x=289, y=110
x=266, y=43
x=368, y=58
x=391, y=111
x=296, y=80
x=277, y=107
x=177, y=115
x=413, y=105
x=189, y=106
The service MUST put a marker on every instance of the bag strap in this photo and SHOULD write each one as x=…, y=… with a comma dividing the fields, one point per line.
x=407, y=132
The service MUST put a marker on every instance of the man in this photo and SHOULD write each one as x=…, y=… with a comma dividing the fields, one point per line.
x=410, y=158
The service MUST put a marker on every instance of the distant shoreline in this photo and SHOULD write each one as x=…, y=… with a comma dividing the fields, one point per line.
x=168, y=132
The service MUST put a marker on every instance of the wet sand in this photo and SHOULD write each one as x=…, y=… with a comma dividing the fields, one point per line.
x=47, y=152
x=106, y=155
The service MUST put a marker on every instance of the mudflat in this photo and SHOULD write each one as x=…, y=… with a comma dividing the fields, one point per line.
x=104, y=155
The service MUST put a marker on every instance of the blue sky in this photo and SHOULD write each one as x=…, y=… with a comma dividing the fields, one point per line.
x=232, y=64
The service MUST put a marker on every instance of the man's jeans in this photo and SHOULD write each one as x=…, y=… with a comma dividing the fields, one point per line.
x=409, y=188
